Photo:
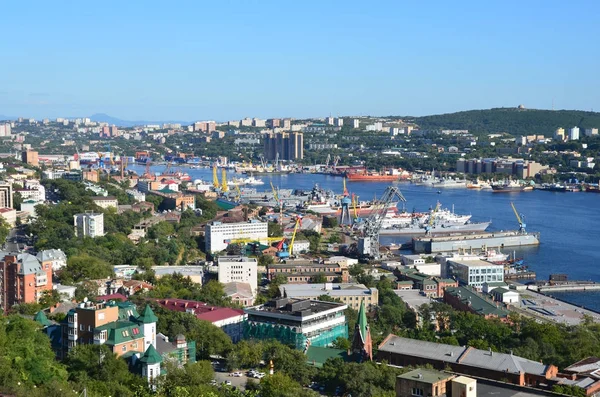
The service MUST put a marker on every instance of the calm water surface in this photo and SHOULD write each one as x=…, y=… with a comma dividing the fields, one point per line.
x=569, y=223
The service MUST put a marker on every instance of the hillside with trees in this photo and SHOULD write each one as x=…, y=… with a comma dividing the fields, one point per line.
x=514, y=121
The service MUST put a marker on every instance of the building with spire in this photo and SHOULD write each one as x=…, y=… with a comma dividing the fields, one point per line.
x=362, y=344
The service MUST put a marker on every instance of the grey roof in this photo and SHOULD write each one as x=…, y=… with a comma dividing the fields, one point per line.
x=50, y=255
x=232, y=288
x=29, y=264
x=162, y=346
x=464, y=355
x=315, y=290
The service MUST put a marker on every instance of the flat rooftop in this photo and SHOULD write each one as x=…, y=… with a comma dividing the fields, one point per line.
x=474, y=263
x=424, y=375
x=412, y=297
x=334, y=289
x=295, y=307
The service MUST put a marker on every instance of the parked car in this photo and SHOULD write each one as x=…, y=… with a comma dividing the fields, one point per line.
x=236, y=374
x=226, y=383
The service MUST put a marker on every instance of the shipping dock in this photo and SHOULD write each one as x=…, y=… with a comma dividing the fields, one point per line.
x=476, y=241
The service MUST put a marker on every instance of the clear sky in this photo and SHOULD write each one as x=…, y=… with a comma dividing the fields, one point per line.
x=180, y=60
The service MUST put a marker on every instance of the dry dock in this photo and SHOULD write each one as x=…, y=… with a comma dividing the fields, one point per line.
x=477, y=241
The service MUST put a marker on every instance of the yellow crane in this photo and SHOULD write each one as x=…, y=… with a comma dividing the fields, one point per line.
x=298, y=223
x=239, y=193
x=432, y=218
x=519, y=218
x=354, y=204
x=216, y=184
x=224, y=186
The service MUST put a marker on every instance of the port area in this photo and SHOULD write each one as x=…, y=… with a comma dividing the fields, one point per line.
x=569, y=286
x=546, y=308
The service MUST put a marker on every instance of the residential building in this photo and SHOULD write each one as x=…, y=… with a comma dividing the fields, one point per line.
x=195, y=273
x=351, y=294
x=467, y=300
x=286, y=124
x=247, y=122
x=218, y=235
x=286, y=145
x=239, y=269
x=591, y=131
x=474, y=272
x=414, y=300
x=344, y=261
x=30, y=157
x=297, y=322
x=106, y=202
x=465, y=360
x=33, y=191
x=574, y=134
x=423, y=382
x=136, y=195
x=355, y=123
x=329, y=120
x=9, y=215
x=89, y=224
x=55, y=257
x=5, y=129
x=6, y=195
x=259, y=122
x=229, y=320
x=23, y=279
x=429, y=285
x=338, y=122
x=273, y=123
x=301, y=272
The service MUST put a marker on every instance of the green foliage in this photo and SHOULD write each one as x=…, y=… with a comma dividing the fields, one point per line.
x=511, y=120
x=318, y=279
x=281, y=385
x=26, y=358
x=84, y=267
x=569, y=390
x=210, y=340
x=275, y=229
x=4, y=230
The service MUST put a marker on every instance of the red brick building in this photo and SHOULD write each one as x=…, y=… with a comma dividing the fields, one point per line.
x=23, y=278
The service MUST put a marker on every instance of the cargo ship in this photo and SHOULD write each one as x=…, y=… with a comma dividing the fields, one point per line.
x=383, y=176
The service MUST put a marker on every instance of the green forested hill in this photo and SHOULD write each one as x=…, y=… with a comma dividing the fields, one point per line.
x=511, y=120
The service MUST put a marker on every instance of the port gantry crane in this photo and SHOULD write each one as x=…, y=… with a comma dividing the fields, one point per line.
x=369, y=243
x=216, y=183
x=520, y=218
x=429, y=225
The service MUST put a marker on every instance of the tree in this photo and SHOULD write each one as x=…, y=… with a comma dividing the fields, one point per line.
x=4, y=230
x=85, y=267
x=318, y=279
x=274, y=229
x=279, y=385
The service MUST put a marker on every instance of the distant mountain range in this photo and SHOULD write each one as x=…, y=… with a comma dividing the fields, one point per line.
x=105, y=118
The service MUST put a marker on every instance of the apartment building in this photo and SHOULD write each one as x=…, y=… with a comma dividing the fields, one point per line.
x=23, y=278
x=238, y=269
x=218, y=235
x=6, y=195
x=302, y=272
x=89, y=224
x=106, y=202
x=475, y=272
x=30, y=157
x=286, y=146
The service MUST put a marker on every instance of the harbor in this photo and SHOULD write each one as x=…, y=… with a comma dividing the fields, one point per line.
x=449, y=243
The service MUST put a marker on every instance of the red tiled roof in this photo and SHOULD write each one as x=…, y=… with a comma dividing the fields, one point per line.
x=202, y=311
x=112, y=297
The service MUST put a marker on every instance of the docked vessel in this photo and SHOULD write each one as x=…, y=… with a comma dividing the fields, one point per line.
x=511, y=186
x=449, y=183
x=383, y=176
x=479, y=184
x=449, y=243
x=437, y=228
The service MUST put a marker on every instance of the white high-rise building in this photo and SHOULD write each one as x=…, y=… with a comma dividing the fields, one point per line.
x=89, y=224
x=6, y=195
x=591, y=131
x=355, y=123
x=559, y=134
x=5, y=129
x=329, y=120
x=218, y=235
x=238, y=269
x=574, y=134
x=339, y=122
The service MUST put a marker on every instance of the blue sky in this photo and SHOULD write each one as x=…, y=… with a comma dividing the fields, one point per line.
x=158, y=60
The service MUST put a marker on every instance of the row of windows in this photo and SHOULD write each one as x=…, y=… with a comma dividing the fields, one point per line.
x=486, y=271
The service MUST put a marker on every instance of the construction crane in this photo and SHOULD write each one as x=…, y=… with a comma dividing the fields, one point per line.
x=298, y=223
x=520, y=218
x=216, y=183
x=429, y=225
x=224, y=187
x=147, y=173
x=336, y=160
x=123, y=166
x=369, y=244
x=354, y=204
x=276, y=197
x=238, y=195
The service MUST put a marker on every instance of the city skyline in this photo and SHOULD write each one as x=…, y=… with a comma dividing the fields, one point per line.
x=229, y=61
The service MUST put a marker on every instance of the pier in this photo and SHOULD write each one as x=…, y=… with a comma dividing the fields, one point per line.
x=571, y=286
x=456, y=242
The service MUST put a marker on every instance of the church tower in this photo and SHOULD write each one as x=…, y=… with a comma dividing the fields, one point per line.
x=362, y=345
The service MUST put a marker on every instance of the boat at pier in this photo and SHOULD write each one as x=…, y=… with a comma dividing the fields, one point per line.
x=511, y=186
x=383, y=176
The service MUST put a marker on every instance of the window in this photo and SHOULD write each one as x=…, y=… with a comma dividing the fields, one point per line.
x=81, y=327
x=125, y=333
x=417, y=392
x=124, y=348
x=100, y=316
x=135, y=331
